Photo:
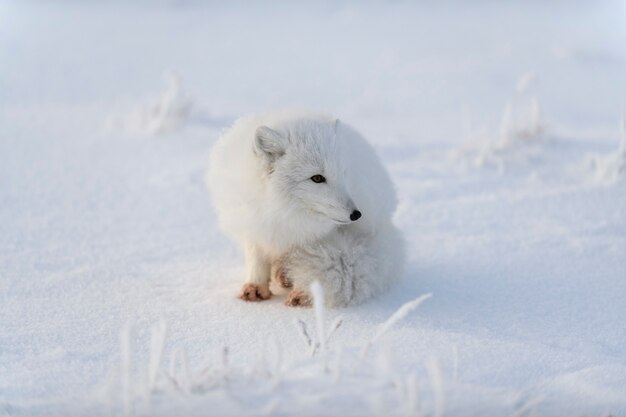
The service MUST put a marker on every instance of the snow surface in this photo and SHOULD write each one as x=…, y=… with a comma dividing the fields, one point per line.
x=500, y=125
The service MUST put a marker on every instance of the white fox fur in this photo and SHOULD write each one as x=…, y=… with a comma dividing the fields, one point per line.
x=261, y=178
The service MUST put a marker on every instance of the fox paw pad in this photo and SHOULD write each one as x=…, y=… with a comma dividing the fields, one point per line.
x=253, y=292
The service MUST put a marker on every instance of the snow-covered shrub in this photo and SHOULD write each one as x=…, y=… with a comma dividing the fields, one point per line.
x=521, y=124
x=163, y=114
x=135, y=388
x=612, y=168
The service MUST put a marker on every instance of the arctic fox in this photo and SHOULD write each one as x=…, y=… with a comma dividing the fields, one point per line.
x=308, y=199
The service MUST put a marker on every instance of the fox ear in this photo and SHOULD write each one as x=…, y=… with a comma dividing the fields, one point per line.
x=269, y=143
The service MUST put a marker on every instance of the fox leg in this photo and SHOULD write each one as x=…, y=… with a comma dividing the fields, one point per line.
x=279, y=273
x=257, y=285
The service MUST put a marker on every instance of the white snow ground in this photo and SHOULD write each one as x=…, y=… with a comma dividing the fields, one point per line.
x=500, y=124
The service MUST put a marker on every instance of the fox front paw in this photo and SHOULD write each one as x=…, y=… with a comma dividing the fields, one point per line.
x=253, y=292
x=298, y=298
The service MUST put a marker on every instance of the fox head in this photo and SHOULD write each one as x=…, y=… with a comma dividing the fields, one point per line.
x=306, y=172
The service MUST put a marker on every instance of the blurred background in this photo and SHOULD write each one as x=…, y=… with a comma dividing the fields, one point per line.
x=424, y=68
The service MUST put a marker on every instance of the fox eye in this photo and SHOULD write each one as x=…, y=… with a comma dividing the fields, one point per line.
x=318, y=178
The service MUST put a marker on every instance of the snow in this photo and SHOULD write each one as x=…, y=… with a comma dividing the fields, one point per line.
x=502, y=127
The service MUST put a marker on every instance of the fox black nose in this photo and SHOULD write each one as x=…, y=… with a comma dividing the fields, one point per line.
x=356, y=215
